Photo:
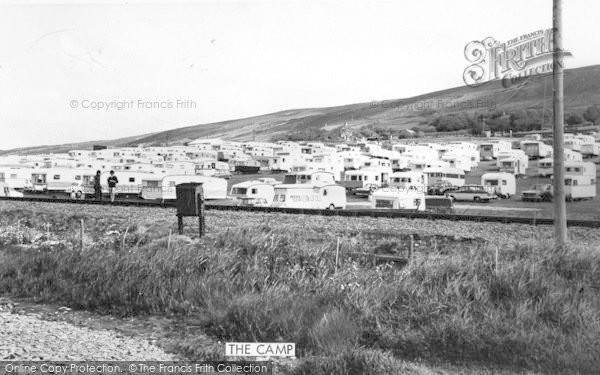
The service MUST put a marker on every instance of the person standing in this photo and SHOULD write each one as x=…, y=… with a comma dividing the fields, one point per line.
x=112, y=185
x=97, y=187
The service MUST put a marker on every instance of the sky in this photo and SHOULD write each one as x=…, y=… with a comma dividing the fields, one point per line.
x=80, y=71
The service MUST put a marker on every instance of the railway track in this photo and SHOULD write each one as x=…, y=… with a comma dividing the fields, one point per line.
x=345, y=213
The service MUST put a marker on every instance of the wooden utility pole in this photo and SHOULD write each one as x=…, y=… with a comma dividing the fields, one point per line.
x=560, y=209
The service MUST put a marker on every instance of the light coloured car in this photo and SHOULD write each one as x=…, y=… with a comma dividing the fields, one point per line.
x=473, y=193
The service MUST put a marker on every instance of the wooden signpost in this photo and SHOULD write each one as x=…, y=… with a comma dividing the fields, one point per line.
x=190, y=202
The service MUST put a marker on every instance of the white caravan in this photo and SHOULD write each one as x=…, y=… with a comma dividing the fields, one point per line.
x=309, y=196
x=452, y=175
x=398, y=198
x=8, y=191
x=17, y=177
x=590, y=150
x=580, y=187
x=212, y=187
x=253, y=193
x=490, y=150
x=366, y=178
x=309, y=177
x=416, y=180
x=421, y=165
x=546, y=168
x=132, y=182
x=536, y=149
x=60, y=179
x=503, y=184
x=462, y=162
x=573, y=143
x=513, y=161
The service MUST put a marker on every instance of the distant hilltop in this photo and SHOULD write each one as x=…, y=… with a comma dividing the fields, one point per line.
x=491, y=104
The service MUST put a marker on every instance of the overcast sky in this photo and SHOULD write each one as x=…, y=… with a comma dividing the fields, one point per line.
x=243, y=58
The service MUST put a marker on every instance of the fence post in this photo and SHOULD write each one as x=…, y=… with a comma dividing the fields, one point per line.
x=180, y=224
x=200, y=205
x=337, y=254
x=411, y=246
x=81, y=232
x=124, y=237
x=496, y=260
x=169, y=241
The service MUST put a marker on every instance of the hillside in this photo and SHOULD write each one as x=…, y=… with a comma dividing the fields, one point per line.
x=582, y=89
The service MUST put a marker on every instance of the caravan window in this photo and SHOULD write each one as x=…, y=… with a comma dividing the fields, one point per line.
x=131, y=179
x=56, y=177
x=77, y=178
x=11, y=176
x=504, y=182
x=568, y=182
x=492, y=182
x=324, y=192
x=254, y=191
x=384, y=203
x=238, y=191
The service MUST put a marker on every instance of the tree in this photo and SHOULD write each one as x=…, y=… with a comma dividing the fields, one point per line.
x=573, y=119
x=592, y=114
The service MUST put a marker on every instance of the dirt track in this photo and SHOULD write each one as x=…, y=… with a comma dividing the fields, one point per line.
x=26, y=336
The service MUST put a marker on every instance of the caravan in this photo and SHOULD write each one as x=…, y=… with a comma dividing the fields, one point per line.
x=132, y=182
x=60, y=179
x=416, y=180
x=462, y=162
x=8, y=191
x=325, y=196
x=503, y=184
x=253, y=193
x=16, y=177
x=590, y=150
x=212, y=187
x=454, y=176
x=490, y=150
x=398, y=198
x=579, y=187
x=513, y=161
x=546, y=168
x=536, y=149
x=366, y=179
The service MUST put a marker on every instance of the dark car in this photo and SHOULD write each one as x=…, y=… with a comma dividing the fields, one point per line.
x=538, y=193
x=440, y=188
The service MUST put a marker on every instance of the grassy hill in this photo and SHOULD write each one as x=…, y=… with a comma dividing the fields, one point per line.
x=582, y=89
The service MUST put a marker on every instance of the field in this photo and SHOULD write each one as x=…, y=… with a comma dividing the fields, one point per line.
x=472, y=295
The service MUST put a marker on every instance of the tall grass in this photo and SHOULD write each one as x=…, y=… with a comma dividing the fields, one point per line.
x=536, y=309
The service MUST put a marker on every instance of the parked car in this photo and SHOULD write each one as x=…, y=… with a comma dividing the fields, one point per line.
x=440, y=188
x=476, y=193
x=538, y=193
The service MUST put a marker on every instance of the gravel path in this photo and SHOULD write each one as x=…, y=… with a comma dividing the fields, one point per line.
x=29, y=337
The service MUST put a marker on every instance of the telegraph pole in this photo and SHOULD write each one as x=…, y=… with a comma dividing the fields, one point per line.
x=560, y=209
